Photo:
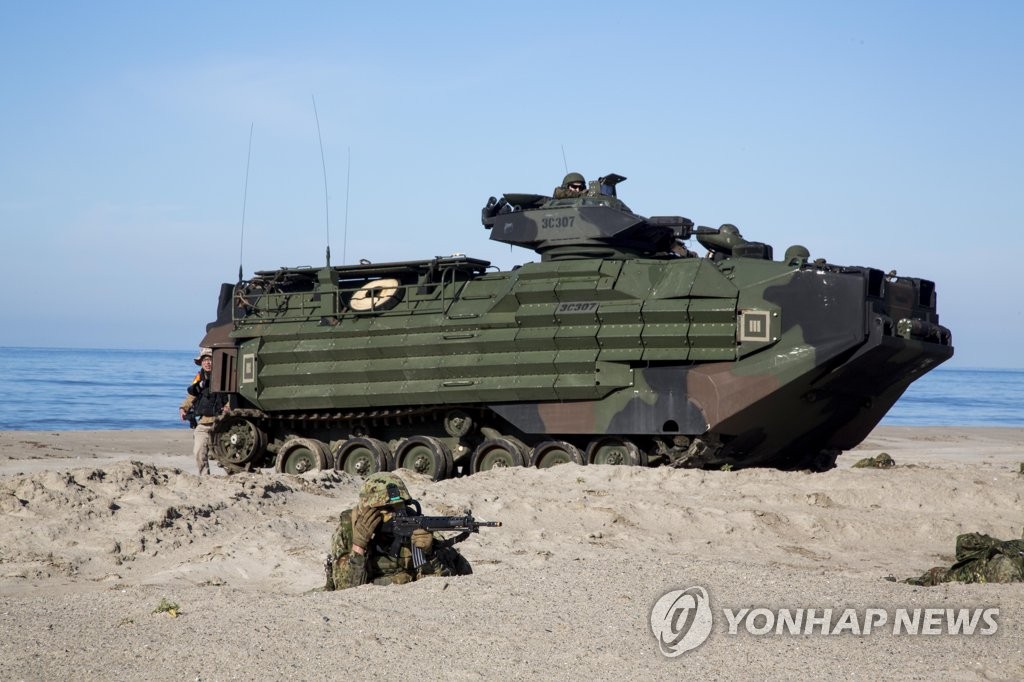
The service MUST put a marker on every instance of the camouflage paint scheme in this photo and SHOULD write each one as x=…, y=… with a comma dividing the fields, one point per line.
x=616, y=334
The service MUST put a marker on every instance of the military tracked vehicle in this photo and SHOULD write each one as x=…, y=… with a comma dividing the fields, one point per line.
x=620, y=346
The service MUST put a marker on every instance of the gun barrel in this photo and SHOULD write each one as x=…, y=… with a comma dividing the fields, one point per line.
x=456, y=522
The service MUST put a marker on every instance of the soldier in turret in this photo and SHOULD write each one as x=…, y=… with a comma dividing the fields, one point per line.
x=573, y=185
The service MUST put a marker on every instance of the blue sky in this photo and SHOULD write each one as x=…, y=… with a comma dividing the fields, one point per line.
x=886, y=134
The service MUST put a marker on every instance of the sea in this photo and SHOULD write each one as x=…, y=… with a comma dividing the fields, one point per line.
x=67, y=389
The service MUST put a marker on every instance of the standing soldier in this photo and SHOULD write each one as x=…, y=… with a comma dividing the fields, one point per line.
x=205, y=405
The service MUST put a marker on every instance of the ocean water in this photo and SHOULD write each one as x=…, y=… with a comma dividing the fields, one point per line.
x=63, y=389
x=59, y=389
x=962, y=397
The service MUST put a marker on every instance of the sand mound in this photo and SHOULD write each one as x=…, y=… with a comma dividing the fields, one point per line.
x=141, y=522
x=86, y=553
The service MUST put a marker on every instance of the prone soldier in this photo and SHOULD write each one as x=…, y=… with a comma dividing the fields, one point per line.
x=385, y=539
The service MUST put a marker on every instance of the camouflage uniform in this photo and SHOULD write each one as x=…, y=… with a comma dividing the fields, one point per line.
x=346, y=568
x=882, y=461
x=979, y=559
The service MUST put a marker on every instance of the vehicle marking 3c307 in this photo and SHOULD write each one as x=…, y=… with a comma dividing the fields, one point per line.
x=576, y=307
x=550, y=222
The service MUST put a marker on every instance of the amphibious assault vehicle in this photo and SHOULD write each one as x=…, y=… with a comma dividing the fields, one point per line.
x=620, y=346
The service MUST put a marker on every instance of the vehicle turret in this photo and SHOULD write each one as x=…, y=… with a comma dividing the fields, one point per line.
x=595, y=224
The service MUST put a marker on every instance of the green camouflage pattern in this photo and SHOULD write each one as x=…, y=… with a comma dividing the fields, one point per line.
x=374, y=492
x=734, y=358
x=346, y=569
x=979, y=559
x=881, y=461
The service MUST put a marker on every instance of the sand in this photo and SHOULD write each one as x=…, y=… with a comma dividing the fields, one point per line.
x=96, y=528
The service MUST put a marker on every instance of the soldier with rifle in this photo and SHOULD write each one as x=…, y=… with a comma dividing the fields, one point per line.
x=386, y=540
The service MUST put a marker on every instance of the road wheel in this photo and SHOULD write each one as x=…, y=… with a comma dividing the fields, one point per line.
x=425, y=455
x=299, y=455
x=237, y=441
x=610, y=450
x=363, y=456
x=497, y=452
x=457, y=423
x=552, y=452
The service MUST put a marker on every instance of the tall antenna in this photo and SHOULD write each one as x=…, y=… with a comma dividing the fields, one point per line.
x=348, y=178
x=323, y=163
x=564, y=162
x=245, y=196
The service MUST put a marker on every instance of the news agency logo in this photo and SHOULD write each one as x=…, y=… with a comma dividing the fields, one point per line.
x=681, y=620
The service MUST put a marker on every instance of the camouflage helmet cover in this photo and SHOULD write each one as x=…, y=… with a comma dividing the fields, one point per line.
x=573, y=177
x=374, y=492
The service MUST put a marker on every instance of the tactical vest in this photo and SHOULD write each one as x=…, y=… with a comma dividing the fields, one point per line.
x=208, y=404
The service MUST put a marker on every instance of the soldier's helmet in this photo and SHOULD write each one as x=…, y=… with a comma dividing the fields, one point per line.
x=383, y=489
x=570, y=178
x=884, y=461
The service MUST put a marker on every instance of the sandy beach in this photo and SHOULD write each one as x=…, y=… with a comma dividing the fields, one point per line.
x=97, y=527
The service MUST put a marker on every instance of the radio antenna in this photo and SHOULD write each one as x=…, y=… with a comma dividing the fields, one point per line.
x=348, y=179
x=323, y=163
x=245, y=196
x=564, y=162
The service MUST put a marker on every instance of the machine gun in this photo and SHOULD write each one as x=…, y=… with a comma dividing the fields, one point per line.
x=407, y=519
